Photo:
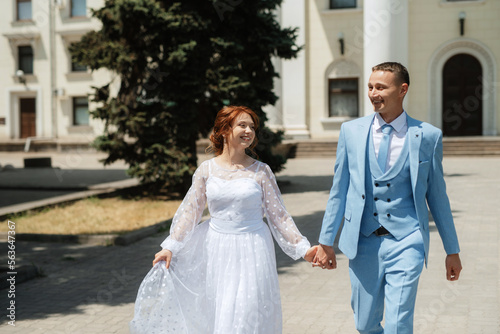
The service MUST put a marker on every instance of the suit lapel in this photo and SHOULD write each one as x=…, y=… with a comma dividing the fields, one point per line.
x=362, y=134
x=415, y=139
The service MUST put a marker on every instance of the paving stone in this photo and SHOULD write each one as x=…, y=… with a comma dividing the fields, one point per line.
x=95, y=293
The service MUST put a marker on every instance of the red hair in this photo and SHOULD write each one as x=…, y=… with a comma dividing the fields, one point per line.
x=223, y=124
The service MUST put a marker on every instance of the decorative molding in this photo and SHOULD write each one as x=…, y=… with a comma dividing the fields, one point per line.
x=80, y=129
x=73, y=32
x=79, y=75
x=24, y=38
x=446, y=3
x=72, y=36
x=342, y=68
x=342, y=11
x=336, y=120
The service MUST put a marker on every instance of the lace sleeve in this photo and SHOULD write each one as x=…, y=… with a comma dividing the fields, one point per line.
x=281, y=224
x=189, y=213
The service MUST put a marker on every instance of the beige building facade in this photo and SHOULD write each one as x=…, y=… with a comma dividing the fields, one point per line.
x=451, y=49
x=43, y=94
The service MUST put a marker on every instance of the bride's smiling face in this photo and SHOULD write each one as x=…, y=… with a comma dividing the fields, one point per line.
x=242, y=132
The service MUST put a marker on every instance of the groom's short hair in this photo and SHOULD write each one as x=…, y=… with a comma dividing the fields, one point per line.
x=399, y=71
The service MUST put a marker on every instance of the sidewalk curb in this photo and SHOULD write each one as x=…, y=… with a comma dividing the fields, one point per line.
x=99, y=189
x=131, y=237
x=93, y=239
x=75, y=187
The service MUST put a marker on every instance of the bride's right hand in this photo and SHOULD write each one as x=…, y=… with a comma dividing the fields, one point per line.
x=311, y=253
x=164, y=255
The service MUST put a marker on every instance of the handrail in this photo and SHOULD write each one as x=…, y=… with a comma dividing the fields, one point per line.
x=30, y=139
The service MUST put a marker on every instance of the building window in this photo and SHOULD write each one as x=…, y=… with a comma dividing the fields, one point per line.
x=343, y=97
x=78, y=8
x=24, y=10
x=77, y=67
x=25, y=61
x=80, y=111
x=341, y=4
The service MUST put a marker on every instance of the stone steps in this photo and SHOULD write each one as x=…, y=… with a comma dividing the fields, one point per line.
x=487, y=146
x=473, y=146
x=463, y=146
x=45, y=145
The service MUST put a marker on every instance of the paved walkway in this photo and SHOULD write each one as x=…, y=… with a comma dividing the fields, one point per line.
x=71, y=173
x=89, y=289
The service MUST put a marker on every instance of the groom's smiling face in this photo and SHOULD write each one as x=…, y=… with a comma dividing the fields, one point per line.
x=386, y=93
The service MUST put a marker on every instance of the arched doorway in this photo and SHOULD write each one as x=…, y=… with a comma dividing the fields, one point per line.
x=462, y=112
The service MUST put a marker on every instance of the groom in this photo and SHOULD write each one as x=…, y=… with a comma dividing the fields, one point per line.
x=387, y=172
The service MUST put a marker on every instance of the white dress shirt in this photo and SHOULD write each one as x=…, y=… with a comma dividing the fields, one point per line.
x=397, y=137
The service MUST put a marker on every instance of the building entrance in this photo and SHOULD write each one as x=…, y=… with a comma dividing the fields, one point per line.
x=462, y=96
x=27, y=110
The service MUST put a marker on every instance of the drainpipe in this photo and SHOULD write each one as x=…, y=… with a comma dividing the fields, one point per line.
x=53, y=72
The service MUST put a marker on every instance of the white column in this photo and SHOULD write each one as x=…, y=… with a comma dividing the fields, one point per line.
x=275, y=112
x=385, y=38
x=293, y=73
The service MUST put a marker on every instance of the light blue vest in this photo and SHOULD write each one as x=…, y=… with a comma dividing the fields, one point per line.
x=389, y=197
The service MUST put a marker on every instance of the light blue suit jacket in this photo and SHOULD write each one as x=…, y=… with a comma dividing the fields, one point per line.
x=347, y=196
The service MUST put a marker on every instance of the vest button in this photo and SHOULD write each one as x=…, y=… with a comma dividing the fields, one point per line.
x=388, y=184
x=376, y=198
x=376, y=184
x=388, y=200
x=363, y=196
x=388, y=215
x=375, y=214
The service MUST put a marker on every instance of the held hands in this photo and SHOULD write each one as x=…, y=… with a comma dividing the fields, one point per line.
x=164, y=255
x=325, y=257
x=311, y=252
x=453, y=267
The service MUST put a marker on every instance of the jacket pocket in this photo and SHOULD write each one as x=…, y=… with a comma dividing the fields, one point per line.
x=423, y=167
x=347, y=215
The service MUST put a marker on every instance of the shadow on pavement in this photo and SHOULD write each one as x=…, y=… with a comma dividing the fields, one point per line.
x=81, y=279
x=22, y=185
x=304, y=183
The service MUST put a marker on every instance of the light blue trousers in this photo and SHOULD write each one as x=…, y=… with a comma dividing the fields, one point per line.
x=386, y=270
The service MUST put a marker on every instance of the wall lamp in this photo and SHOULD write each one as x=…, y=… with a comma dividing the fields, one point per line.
x=20, y=76
x=461, y=18
x=341, y=41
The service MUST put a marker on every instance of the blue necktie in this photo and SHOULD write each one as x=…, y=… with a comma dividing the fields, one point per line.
x=384, y=146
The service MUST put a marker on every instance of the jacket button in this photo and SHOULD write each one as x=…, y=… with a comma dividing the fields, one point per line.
x=388, y=184
x=389, y=215
x=388, y=200
x=376, y=198
x=375, y=214
x=376, y=184
x=363, y=196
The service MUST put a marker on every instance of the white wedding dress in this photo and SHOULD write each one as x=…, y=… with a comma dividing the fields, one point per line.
x=223, y=277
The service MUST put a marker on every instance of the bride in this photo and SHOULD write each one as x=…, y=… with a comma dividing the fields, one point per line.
x=220, y=276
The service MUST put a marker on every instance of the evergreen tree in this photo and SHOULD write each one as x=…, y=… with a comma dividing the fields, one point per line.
x=178, y=63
